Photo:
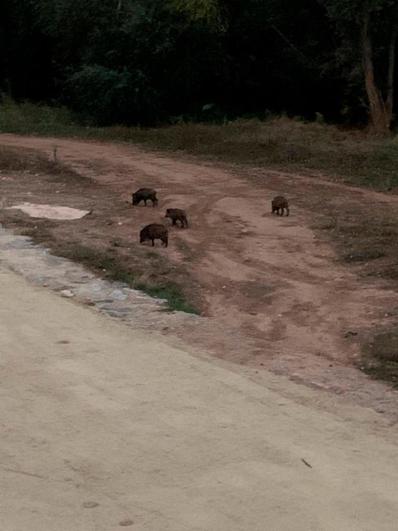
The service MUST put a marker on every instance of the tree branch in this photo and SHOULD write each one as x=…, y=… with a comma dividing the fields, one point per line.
x=290, y=44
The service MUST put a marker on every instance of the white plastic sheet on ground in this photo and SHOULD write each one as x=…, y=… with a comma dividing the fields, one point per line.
x=50, y=211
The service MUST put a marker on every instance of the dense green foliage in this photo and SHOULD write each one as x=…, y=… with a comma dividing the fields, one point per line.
x=150, y=61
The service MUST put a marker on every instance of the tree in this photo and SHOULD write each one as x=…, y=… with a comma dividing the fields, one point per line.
x=149, y=61
x=373, y=24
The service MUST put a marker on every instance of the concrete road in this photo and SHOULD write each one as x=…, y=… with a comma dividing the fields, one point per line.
x=103, y=428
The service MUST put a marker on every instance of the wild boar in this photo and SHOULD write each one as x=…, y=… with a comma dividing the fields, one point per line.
x=155, y=231
x=145, y=194
x=279, y=205
x=177, y=214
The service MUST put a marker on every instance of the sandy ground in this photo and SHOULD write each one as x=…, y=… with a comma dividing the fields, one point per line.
x=104, y=427
x=277, y=296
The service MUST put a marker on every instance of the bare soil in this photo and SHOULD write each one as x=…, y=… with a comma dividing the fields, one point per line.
x=298, y=295
x=103, y=425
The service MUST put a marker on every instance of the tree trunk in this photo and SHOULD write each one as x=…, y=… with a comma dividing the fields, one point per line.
x=391, y=72
x=380, y=114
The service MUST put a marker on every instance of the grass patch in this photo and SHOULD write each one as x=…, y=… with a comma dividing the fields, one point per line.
x=171, y=293
x=364, y=236
x=364, y=255
x=32, y=162
x=114, y=269
x=28, y=118
x=348, y=155
x=380, y=357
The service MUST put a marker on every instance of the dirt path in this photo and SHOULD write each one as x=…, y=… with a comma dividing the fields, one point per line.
x=276, y=294
x=104, y=427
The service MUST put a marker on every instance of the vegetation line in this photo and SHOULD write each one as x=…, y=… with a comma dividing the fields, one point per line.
x=290, y=144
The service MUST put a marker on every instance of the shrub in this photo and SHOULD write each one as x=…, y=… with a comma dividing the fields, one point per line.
x=104, y=96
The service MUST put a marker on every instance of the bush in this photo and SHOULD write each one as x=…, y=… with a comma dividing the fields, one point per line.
x=103, y=96
x=31, y=118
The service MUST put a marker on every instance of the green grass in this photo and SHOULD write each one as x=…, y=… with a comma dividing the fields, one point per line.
x=113, y=269
x=290, y=144
x=28, y=118
x=171, y=293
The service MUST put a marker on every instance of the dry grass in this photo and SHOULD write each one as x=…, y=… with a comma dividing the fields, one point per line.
x=31, y=162
x=347, y=156
x=380, y=359
x=365, y=239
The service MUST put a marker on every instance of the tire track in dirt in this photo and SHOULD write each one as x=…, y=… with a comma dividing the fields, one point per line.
x=276, y=294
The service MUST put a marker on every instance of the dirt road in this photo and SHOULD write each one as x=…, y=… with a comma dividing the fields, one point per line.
x=103, y=427
x=275, y=292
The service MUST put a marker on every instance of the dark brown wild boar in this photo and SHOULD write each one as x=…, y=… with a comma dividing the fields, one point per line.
x=153, y=232
x=145, y=194
x=279, y=205
x=177, y=214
